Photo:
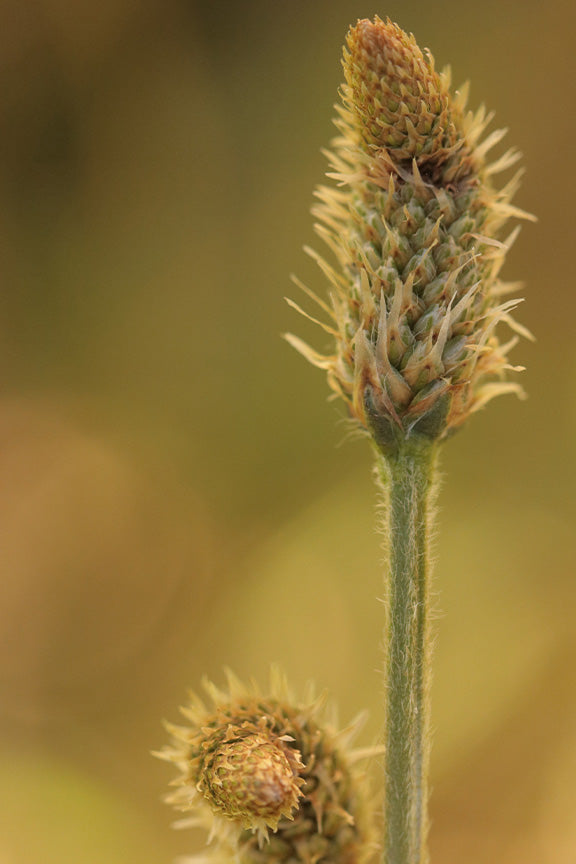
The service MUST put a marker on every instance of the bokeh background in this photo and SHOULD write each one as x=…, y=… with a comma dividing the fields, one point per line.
x=175, y=492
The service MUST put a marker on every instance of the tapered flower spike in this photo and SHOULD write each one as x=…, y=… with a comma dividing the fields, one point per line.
x=270, y=779
x=416, y=229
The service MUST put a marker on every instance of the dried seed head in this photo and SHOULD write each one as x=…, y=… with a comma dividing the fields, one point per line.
x=416, y=230
x=251, y=765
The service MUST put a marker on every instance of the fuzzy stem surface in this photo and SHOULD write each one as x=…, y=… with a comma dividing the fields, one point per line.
x=408, y=481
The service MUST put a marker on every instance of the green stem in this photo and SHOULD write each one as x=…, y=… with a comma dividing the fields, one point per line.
x=408, y=481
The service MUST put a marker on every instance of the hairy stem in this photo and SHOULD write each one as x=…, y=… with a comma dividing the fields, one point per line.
x=408, y=482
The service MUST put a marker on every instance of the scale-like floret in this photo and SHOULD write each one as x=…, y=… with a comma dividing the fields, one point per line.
x=415, y=226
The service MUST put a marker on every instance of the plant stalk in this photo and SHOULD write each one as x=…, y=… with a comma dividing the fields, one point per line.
x=407, y=478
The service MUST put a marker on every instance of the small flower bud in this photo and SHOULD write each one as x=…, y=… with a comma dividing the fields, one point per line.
x=399, y=100
x=252, y=765
x=250, y=776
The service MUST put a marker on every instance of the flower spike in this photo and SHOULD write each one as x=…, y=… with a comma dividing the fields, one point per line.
x=415, y=226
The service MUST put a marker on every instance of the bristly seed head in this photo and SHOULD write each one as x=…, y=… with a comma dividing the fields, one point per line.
x=270, y=780
x=415, y=226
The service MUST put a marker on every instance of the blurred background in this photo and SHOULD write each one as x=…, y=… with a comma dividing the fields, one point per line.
x=175, y=492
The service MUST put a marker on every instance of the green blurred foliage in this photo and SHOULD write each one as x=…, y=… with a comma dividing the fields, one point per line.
x=173, y=493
